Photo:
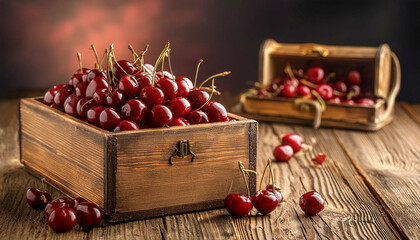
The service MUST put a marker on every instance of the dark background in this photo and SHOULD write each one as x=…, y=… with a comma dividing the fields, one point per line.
x=39, y=39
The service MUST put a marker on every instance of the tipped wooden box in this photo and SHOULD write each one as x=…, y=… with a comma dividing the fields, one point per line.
x=379, y=68
x=128, y=174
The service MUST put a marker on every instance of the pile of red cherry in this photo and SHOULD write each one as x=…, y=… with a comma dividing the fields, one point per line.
x=133, y=95
x=63, y=213
x=315, y=84
x=266, y=201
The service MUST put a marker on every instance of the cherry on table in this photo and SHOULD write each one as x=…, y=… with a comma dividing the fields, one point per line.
x=59, y=202
x=168, y=87
x=264, y=201
x=325, y=91
x=198, y=98
x=94, y=112
x=311, y=203
x=37, y=199
x=180, y=106
x=354, y=77
x=288, y=90
x=179, y=121
x=126, y=125
x=109, y=118
x=76, y=201
x=238, y=205
x=151, y=96
x=134, y=110
x=197, y=117
x=160, y=116
x=62, y=219
x=315, y=74
x=216, y=112
x=88, y=214
x=283, y=153
x=319, y=158
x=293, y=140
x=277, y=192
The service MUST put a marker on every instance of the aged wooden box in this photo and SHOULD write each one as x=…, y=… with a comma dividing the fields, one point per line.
x=379, y=66
x=128, y=174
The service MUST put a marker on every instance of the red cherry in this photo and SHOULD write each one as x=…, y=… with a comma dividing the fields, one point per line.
x=283, y=153
x=180, y=106
x=319, y=158
x=128, y=86
x=325, y=91
x=127, y=66
x=144, y=80
x=168, y=87
x=277, y=192
x=70, y=105
x=311, y=203
x=94, y=112
x=134, y=110
x=179, y=121
x=115, y=99
x=160, y=116
x=37, y=199
x=76, y=201
x=197, y=117
x=288, y=90
x=50, y=94
x=62, y=94
x=315, y=74
x=303, y=90
x=354, y=77
x=355, y=89
x=340, y=86
x=96, y=73
x=216, y=112
x=262, y=92
x=88, y=215
x=100, y=95
x=62, y=219
x=80, y=90
x=197, y=98
x=184, y=86
x=83, y=105
x=96, y=84
x=109, y=118
x=292, y=81
x=238, y=205
x=272, y=87
x=349, y=102
x=151, y=96
x=293, y=140
x=367, y=102
x=79, y=76
x=126, y=125
x=264, y=201
x=150, y=67
x=59, y=202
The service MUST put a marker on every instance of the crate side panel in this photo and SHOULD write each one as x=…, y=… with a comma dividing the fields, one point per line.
x=70, y=156
x=145, y=180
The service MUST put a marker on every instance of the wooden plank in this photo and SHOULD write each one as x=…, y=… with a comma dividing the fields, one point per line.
x=351, y=212
x=412, y=110
x=142, y=229
x=389, y=162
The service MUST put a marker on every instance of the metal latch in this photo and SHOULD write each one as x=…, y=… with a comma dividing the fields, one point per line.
x=182, y=150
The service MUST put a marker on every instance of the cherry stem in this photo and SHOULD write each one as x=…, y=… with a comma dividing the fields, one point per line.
x=351, y=95
x=84, y=104
x=103, y=57
x=262, y=177
x=211, y=95
x=43, y=198
x=241, y=167
x=109, y=72
x=170, y=65
x=161, y=56
x=320, y=100
x=214, y=76
x=338, y=93
x=329, y=76
x=307, y=83
x=135, y=55
x=141, y=57
x=163, y=62
x=196, y=71
x=272, y=174
x=288, y=70
x=96, y=56
x=79, y=58
x=115, y=60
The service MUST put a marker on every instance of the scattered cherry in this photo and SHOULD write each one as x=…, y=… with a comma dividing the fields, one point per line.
x=59, y=202
x=311, y=203
x=319, y=158
x=76, y=201
x=293, y=140
x=283, y=153
x=277, y=192
x=37, y=199
x=264, y=201
x=62, y=219
x=238, y=205
x=88, y=214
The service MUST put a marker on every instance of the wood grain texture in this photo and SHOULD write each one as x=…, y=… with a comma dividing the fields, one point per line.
x=69, y=155
x=412, y=110
x=389, y=162
x=351, y=212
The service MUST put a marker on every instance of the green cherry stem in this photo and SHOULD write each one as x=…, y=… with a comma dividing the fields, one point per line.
x=96, y=56
x=271, y=173
x=307, y=83
x=43, y=198
x=262, y=177
x=214, y=76
x=241, y=167
x=211, y=95
x=135, y=55
x=103, y=57
x=320, y=100
x=170, y=65
x=196, y=71
x=288, y=70
x=79, y=58
x=158, y=61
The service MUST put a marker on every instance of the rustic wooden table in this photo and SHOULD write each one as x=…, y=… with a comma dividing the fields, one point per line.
x=371, y=183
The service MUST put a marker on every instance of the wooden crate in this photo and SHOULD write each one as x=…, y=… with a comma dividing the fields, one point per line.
x=378, y=65
x=128, y=174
